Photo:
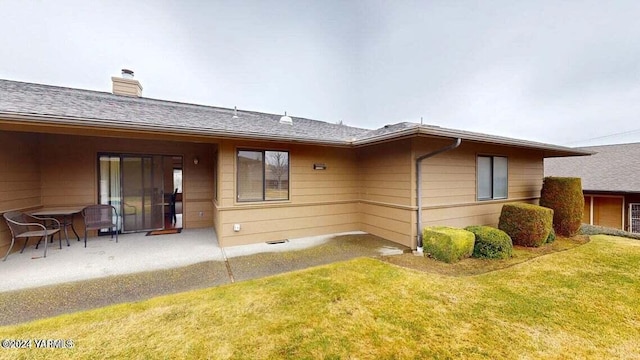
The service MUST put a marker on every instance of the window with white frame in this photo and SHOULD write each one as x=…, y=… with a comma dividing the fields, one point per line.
x=492, y=177
x=262, y=175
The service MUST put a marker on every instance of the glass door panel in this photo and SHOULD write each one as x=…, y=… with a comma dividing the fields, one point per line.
x=133, y=197
x=156, y=189
x=134, y=186
x=142, y=192
x=109, y=187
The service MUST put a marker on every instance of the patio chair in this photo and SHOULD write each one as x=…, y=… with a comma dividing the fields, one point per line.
x=27, y=226
x=172, y=207
x=98, y=217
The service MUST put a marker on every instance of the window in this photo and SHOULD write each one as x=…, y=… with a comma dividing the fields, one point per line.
x=263, y=175
x=492, y=177
x=177, y=179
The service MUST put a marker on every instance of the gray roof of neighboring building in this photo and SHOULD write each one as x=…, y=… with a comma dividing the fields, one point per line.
x=610, y=169
x=68, y=106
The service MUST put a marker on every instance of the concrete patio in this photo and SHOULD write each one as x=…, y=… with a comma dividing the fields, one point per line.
x=136, y=253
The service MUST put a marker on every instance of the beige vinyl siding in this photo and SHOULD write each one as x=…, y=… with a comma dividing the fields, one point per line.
x=484, y=213
x=449, y=183
x=19, y=177
x=226, y=177
x=385, y=172
x=278, y=222
x=19, y=171
x=449, y=178
x=320, y=201
x=526, y=172
x=338, y=182
x=388, y=222
x=198, y=186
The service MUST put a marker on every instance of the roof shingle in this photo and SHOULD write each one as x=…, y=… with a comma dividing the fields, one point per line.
x=45, y=100
x=68, y=106
x=610, y=169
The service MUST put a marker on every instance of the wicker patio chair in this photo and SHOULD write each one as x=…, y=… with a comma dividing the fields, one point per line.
x=98, y=217
x=26, y=226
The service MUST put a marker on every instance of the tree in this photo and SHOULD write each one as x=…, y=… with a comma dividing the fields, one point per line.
x=278, y=165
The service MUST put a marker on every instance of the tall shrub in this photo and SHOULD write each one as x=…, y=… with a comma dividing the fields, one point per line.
x=564, y=196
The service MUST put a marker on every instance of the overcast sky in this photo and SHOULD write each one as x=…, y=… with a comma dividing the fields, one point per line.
x=561, y=72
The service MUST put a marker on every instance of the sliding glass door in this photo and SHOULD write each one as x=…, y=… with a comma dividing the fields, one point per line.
x=134, y=185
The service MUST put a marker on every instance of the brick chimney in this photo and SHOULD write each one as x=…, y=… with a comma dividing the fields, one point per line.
x=126, y=85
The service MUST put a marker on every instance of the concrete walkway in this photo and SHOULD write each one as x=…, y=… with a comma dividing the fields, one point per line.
x=138, y=253
x=139, y=267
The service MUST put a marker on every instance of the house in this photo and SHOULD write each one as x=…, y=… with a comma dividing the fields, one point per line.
x=610, y=184
x=253, y=177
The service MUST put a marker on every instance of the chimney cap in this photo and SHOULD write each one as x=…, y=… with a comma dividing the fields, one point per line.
x=127, y=74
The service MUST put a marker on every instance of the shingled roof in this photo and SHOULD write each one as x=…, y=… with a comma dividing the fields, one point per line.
x=75, y=107
x=611, y=169
x=83, y=107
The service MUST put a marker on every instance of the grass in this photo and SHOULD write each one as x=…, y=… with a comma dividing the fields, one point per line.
x=579, y=303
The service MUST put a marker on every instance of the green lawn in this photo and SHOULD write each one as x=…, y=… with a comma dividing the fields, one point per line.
x=579, y=303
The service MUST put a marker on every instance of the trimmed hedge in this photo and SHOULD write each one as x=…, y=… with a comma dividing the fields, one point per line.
x=526, y=224
x=491, y=243
x=564, y=196
x=552, y=236
x=447, y=244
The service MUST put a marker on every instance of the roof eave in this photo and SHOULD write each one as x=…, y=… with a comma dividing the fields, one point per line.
x=164, y=129
x=548, y=150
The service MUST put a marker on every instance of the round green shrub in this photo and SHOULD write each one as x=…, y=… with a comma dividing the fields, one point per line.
x=564, y=196
x=526, y=224
x=491, y=243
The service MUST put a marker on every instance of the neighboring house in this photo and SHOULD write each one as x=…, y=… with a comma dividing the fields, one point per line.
x=610, y=184
x=253, y=177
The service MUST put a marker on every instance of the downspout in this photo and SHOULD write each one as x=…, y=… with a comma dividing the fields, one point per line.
x=419, y=186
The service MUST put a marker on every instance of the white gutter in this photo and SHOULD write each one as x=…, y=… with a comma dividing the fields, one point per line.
x=419, y=188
